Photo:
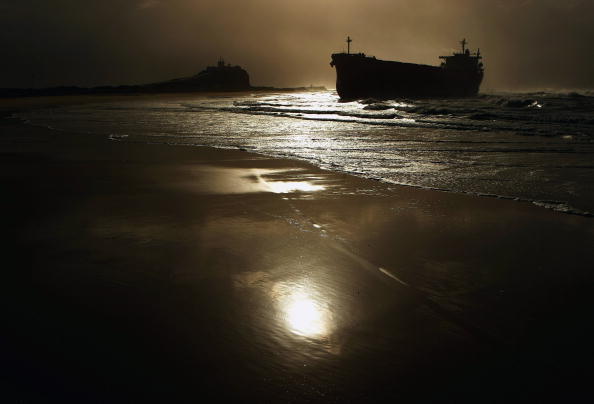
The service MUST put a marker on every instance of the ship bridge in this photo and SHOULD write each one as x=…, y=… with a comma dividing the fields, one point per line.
x=464, y=60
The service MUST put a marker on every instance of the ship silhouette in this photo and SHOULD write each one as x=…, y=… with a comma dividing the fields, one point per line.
x=361, y=76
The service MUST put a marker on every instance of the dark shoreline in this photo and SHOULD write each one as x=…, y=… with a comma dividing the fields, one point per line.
x=131, y=90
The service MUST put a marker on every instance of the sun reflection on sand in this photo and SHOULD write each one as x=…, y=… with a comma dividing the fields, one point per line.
x=284, y=187
x=299, y=307
x=224, y=180
x=304, y=313
x=268, y=181
x=304, y=316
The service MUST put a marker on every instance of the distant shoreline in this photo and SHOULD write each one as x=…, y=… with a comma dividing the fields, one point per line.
x=130, y=90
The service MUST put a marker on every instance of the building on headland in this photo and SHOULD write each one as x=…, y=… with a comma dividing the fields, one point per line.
x=222, y=77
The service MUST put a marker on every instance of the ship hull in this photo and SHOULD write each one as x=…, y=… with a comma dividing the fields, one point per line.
x=359, y=76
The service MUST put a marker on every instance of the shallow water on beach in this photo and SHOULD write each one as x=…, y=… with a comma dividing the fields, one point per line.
x=537, y=147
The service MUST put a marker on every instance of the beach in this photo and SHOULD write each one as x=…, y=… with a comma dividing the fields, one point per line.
x=154, y=272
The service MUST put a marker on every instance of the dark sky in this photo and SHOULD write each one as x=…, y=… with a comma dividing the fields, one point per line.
x=527, y=44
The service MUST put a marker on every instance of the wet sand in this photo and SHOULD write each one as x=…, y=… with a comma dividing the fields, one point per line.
x=142, y=272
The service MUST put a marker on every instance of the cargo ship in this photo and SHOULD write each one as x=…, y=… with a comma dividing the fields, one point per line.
x=360, y=76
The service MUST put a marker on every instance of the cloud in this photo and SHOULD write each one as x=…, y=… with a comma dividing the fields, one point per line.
x=526, y=43
x=148, y=4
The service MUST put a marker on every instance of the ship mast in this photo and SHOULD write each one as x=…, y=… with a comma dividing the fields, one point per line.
x=348, y=41
x=463, y=43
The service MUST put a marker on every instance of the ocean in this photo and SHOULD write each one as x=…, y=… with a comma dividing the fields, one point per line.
x=532, y=147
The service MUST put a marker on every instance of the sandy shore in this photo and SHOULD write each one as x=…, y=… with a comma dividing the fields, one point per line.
x=150, y=272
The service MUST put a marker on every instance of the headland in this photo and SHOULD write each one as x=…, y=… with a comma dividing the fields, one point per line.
x=222, y=77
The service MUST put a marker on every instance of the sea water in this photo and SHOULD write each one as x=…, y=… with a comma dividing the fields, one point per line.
x=535, y=147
